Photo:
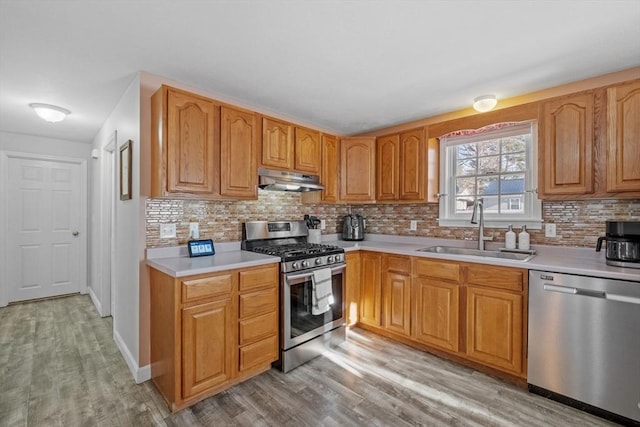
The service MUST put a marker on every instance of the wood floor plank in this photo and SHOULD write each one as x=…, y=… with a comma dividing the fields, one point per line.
x=59, y=366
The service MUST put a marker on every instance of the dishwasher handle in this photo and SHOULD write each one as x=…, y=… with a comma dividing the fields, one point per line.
x=574, y=291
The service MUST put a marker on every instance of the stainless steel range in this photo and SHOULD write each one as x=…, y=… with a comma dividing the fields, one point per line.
x=312, y=312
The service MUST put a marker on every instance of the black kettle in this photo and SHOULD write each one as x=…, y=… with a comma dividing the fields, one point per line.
x=353, y=227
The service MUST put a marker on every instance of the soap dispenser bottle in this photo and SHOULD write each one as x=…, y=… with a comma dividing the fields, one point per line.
x=523, y=239
x=510, y=238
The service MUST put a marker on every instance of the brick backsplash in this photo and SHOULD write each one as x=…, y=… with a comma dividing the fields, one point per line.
x=578, y=223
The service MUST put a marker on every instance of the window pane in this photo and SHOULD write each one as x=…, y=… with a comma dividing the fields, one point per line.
x=514, y=162
x=488, y=185
x=512, y=184
x=514, y=144
x=489, y=165
x=466, y=166
x=491, y=204
x=466, y=150
x=464, y=204
x=488, y=148
x=512, y=204
x=465, y=186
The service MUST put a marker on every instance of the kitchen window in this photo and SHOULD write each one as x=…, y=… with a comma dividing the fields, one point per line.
x=497, y=163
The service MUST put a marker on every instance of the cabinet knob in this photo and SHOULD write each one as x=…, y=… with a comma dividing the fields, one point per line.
x=75, y=233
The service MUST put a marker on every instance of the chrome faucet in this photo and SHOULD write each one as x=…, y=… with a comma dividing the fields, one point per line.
x=477, y=217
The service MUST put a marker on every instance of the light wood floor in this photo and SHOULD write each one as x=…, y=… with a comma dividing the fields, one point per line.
x=59, y=366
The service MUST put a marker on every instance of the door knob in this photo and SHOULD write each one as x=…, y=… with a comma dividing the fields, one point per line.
x=75, y=233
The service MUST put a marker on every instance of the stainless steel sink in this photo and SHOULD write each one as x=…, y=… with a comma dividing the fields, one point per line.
x=524, y=257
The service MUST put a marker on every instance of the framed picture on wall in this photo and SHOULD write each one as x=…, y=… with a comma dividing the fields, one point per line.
x=125, y=170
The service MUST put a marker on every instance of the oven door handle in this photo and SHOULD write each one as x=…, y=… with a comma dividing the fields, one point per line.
x=309, y=274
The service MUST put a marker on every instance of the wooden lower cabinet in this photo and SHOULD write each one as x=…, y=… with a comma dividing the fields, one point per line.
x=397, y=303
x=494, y=328
x=436, y=312
x=207, y=346
x=352, y=287
x=371, y=289
x=472, y=313
x=211, y=331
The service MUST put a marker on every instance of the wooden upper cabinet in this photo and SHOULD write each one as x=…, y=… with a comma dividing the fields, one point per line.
x=277, y=144
x=413, y=166
x=330, y=175
x=387, y=167
x=567, y=145
x=185, y=145
x=238, y=142
x=357, y=169
x=307, y=151
x=401, y=166
x=623, y=138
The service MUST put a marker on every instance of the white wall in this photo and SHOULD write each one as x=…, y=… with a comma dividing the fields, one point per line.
x=125, y=120
x=40, y=145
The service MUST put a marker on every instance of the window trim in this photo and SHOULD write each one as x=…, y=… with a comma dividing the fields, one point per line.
x=532, y=217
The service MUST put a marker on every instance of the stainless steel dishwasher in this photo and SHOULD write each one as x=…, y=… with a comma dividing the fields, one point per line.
x=584, y=342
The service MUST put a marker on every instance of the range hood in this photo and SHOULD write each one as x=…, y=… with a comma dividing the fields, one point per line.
x=276, y=180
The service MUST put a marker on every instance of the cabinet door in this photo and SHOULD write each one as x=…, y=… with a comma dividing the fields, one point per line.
x=191, y=144
x=307, y=151
x=239, y=174
x=494, y=328
x=436, y=313
x=352, y=287
x=357, y=169
x=330, y=175
x=397, y=303
x=207, y=346
x=370, y=289
x=623, y=126
x=566, y=148
x=387, y=167
x=413, y=162
x=277, y=144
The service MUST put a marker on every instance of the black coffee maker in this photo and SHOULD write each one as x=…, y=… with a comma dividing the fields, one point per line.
x=623, y=243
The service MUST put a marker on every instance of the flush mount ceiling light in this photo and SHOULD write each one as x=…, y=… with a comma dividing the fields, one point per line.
x=484, y=103
x=50, y=113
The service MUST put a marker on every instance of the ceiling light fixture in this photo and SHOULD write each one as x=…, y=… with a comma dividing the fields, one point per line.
x=484, y=103
x=50, y=113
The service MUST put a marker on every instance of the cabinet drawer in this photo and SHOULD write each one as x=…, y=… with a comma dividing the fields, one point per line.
x=438, y=269
x=206, y=287
x=258, y=303
x=496, y=277
x=258, y=328
x=264, y=351
x=258, y=278
x=399, y=264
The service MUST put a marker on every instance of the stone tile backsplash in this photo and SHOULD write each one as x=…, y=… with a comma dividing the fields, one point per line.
x=578, y=222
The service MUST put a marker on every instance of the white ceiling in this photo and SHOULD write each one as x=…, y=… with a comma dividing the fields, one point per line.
x=342, y=66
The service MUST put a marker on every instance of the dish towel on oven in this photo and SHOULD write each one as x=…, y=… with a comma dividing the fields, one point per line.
x=322, y=295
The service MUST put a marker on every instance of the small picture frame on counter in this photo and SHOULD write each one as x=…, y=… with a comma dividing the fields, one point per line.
x=200, y=248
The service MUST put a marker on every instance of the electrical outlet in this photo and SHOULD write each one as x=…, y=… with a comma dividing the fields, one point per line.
x=194, y=231
x=167, y=231
x=549, y=230
x=413, y=226
x=323, y=224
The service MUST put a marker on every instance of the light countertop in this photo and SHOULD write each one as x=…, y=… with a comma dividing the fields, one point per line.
x=558, y=259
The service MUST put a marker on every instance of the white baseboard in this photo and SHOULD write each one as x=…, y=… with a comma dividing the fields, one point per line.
x=140, y=374
x=96, y=301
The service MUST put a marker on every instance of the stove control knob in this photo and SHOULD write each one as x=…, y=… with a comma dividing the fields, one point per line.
x=318, y=261
x=295, y=265
x=305, y=263
x=330, y=258
x=338, y=258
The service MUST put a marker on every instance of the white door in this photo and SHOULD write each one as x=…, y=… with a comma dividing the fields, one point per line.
x=44, y=226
